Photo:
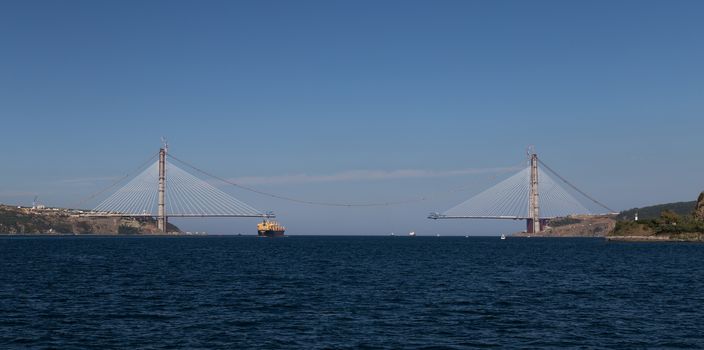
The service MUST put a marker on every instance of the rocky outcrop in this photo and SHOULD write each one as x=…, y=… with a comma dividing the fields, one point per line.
x=699, y=208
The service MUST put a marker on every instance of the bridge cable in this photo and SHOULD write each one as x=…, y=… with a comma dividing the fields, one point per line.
x=84, y=200
x=575, y=187
x=319, y=203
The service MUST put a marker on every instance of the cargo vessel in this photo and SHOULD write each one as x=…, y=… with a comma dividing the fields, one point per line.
x=270, y=228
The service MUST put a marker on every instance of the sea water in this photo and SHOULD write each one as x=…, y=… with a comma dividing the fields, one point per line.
x=348, y=292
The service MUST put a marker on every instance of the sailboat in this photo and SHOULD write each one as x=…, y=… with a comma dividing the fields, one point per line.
x=503, y=236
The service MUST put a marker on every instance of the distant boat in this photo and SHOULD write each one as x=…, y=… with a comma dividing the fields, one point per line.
x=412, y=233
x=503, y=236
x=393, y=234
x=437, y=235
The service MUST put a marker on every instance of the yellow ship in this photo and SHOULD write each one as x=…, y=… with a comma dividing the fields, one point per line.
x=270, y=228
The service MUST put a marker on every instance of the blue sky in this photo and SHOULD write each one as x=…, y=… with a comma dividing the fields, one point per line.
x=294, y=96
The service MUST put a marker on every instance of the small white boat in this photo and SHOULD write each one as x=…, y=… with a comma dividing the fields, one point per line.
x=503, y=236
x=412, y=233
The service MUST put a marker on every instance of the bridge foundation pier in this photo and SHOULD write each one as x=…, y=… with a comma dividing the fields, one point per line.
x=531, y=225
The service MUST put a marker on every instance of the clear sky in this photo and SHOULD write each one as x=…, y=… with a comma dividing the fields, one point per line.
x=337, y=100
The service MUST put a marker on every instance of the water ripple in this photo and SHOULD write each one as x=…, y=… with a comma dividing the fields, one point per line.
x=348, y=293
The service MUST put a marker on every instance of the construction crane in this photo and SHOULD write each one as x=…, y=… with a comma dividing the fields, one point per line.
x=36, y=204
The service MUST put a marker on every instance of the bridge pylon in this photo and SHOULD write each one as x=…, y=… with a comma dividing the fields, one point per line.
x=533, y=223
x=162, y=219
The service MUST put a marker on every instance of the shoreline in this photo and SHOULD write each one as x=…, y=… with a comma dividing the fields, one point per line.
x=649, y=239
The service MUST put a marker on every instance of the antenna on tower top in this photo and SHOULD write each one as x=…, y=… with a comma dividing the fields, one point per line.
x=530, y=151
x=164, y=143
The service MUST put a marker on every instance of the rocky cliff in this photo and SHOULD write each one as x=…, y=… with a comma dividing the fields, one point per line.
x=699, y=208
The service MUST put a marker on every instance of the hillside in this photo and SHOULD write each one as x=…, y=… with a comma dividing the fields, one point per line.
x=15, y=220
x=576, y=226
x=682, y=221
x=653, y=211
x=650, y=224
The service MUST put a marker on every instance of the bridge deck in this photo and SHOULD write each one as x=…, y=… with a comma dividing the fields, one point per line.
x=178, y=215
x=438, y=216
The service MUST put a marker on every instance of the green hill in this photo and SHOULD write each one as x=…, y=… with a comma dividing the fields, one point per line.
x=682, y=221
x=653, y=211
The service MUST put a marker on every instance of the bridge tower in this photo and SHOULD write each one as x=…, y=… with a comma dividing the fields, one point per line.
x=161, y=219
x=533, y=221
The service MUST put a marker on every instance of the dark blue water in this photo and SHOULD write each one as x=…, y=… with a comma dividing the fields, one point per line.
x=348, y=292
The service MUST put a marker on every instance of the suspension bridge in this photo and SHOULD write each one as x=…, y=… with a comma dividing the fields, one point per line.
x=145, y=195
x=532, y=194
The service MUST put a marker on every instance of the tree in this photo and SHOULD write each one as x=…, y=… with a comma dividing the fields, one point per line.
x=669, y=217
